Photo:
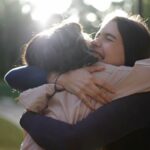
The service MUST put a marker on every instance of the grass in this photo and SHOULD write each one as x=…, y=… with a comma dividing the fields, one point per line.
x=10, y=135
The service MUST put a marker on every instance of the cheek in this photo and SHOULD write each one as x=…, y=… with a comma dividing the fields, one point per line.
x=112, y=56
x=120, y=52
x=110, y=50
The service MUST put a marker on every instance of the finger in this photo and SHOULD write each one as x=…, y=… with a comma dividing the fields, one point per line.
x=86, y=101
x=96, y=94
x=103, y=84
x=105, y=96
x=92, y=69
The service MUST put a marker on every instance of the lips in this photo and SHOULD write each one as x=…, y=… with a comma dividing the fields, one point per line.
x=97, y=50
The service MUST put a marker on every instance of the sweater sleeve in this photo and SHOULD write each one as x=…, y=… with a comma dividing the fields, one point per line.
x=25, y=77
x=105, y=125
x=36, y=99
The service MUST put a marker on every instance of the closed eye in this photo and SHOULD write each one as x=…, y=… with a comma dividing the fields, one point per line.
x=110, y=37
x=106, y=36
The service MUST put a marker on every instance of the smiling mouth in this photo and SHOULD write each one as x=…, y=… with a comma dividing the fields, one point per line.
x=100, y=55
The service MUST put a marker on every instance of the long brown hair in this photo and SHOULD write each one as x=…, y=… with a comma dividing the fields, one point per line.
x=135, y=36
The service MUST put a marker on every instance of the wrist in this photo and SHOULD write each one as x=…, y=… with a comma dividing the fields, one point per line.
x=56, y=80
x=51, y=78
x=57, y=86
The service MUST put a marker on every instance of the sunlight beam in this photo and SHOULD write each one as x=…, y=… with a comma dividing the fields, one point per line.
x=42, y=10
x=101, y=5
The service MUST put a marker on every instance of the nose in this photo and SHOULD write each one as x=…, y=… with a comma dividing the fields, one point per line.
x=96, y=42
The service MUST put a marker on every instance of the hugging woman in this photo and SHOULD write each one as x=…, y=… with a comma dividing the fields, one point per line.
x=106, y=124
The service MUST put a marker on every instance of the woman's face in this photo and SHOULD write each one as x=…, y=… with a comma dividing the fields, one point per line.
x=108, y=44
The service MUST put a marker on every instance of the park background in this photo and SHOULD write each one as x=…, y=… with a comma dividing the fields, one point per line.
x=21, y=19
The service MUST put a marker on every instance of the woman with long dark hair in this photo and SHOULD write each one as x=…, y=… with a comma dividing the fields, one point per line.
x=100, y=130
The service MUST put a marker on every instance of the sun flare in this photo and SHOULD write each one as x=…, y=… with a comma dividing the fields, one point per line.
x=42, y=10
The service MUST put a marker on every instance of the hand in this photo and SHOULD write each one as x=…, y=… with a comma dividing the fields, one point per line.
x=52, y=79
x=84, y=85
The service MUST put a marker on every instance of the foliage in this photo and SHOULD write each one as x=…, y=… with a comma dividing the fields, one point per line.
x=146, y=10
x=13, y=31
x=10, y=135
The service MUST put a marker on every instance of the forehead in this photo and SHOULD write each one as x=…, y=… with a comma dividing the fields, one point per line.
x=110, y=28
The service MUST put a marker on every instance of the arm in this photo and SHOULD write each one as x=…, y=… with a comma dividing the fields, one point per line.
x=36, y=99
x=79, y=82
x=105, y=125
x=23, y=78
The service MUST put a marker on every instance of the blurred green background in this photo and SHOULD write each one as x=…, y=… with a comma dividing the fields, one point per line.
x=21, y=19
x=10, y=135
